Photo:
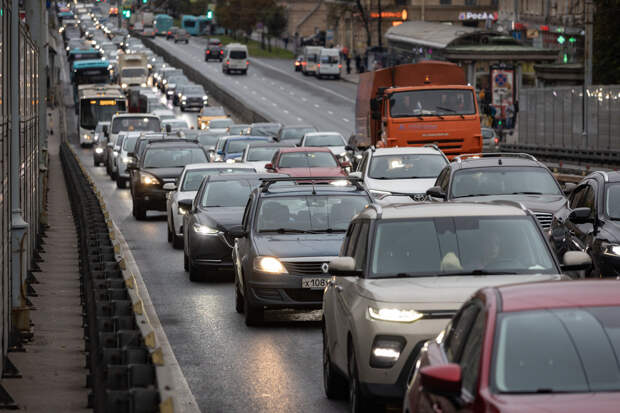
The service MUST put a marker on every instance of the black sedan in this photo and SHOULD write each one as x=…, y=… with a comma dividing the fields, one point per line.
x=216, y=210
x=593, y=223
x=157, y=171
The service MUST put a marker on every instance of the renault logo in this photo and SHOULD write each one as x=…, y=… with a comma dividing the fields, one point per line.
x=325, y=267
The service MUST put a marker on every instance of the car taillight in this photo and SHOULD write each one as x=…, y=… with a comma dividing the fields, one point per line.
x=169, y=32
x=339, y=66
x=228, y=62
x=496, y=140
x=303, y=63
x=318, y=65
x=208, y=51
x=247, y=62
x=221, y=52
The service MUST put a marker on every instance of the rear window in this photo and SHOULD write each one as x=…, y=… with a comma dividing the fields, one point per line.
x=237, y=54
x=193, y=179
x=142, y=124
x=330, y=59
x=173, y=157
x=568, y=350
x=307, y=160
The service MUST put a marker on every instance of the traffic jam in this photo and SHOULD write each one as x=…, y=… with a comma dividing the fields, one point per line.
x=447, y=275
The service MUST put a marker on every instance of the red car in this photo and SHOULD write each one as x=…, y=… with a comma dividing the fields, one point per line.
x=307, y=162
x=540, y=347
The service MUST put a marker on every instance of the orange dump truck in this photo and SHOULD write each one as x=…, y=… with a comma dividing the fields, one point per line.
x=419, y=104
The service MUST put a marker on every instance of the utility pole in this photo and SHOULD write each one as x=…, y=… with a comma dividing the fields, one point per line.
x=587, y=66
x=118, y=13
x=422, y=10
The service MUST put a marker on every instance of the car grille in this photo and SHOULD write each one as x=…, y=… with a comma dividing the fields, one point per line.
x=544, y=218
x=195, y=100
x=304, y=267
x=304, y=295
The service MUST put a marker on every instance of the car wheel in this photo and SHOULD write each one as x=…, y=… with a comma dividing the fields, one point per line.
x=138, y=211
x=334, y=384
x=120, y=182
x=169, y=233
x=238, y=299
x=253, y=314
x=185, y=261
x=194, y=273
x=245, y=72
x=187, y=41
x=357, y=401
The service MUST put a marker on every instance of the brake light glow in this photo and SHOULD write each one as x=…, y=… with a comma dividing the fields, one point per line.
x=208, y=51
x=496, y=140
x=247, y=62
x=318, y=65
x=339, y=66
x=228, y=62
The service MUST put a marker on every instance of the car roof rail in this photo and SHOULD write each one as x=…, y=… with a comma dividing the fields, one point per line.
x=521, y=155
x=267, y=182
x=377, y=207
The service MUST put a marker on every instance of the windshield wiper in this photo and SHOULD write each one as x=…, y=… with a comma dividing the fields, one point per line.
x=527, y=193
x=475, y=272
x=472, y=195
x=288, y=230
x=330, y=230
x=449, y=110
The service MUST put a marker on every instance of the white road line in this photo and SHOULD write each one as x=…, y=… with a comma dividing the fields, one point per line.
x=299, y=119
x=285, y=111
x=291, y=93
x=245, y=86
x=330, y=112
x=345, y=119
x=253, y=92
x=274, y=104
x=304, y=99
x=316, y=105
x=263, y=98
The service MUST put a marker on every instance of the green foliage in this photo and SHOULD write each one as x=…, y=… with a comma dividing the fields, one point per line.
x=606, y=55
x=255, y=49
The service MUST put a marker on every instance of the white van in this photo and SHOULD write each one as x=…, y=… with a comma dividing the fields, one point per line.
x=235, y=58
x=329, y=63
x=310, y=60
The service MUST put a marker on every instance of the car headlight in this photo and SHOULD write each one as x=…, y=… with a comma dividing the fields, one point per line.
x=386, y=351
x=230, y=160
x=148, y=179
x=205, y=97
x=124, y=85
x=98, y=150
x=86, y=136
x=611, y=249
x=205, y=230
x=269, y=265
x=143, y=84
x=165, y=81
x=379, y=194
x=182, y=211
x=395, y=315
x=344, y=156
x=179, y=94
x=124, y=159
x=115, y=153
x=149, y=66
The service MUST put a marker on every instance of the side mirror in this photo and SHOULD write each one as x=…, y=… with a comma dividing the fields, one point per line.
x=436, y=192
x=168, y=128
x=356, y=174
x=170, y=186
x=345, y=164
x=238, y=231
x=444, y=380
x=186, y=204
x=132, y=166
x=569, y=187
x=576, y=261
x=269, y=166
x=580, y=215
x=344, y=266
x=349, y=148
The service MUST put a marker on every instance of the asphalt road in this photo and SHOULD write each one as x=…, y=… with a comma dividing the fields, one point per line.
x=273, y=87
x=228, y=366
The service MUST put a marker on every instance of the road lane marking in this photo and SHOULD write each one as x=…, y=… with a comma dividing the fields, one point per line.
x=330, y=112
x=316, y=105
x=345, y=119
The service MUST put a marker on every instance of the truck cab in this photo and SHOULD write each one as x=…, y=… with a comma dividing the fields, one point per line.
x=419, y=104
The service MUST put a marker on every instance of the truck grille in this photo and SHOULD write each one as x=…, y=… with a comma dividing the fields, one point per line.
x=449, y=146
x=544, y=218
x=304, y=268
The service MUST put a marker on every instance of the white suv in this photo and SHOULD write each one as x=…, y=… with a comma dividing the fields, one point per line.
x=404, y=270
x=400, y=174
x=235, y=58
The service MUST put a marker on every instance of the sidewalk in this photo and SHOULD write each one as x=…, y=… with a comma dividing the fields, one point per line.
x=53, y=364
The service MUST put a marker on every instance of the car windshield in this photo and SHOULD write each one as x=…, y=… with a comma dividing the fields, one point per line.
x=207, y=139
x=133, y=72
x=312, y=213
x=129, y=144
x=324, y=140
x=238, y=145
x=227, y=193
x=176, y=124
x=460, y=245
x=261, y=153
x=406, y=166
x=265, y=130
x=173, y=157
x=220, y=123
x=612, y=201
x=503, y=181
x=307, y=160
x=194, y=90
x=442, y=102
x=141, y=124
x=193, y=178
x=567, y=350
x=212, y=111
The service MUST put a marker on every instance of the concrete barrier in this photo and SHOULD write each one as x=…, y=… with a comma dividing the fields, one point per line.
x=233, y=102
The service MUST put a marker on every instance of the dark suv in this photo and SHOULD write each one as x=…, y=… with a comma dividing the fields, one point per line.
x=214, y=50
x=501, y=176
x=593, y=223
x=289, y=232
x=160, y=163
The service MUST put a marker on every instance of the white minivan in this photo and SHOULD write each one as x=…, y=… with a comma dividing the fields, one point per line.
x=310, y=60
x=235, y=58
x=329, y=63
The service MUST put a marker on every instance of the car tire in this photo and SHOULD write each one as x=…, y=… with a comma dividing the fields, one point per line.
x=177, y=242
x=120, y=182
x=187, y=41
x=358, y=403
x=238, y=299
x=185, y=262
x=253, y=315
x=170, y=235
x=194, y=273
x=244, y=72
x=138, y=211
x=334, y=384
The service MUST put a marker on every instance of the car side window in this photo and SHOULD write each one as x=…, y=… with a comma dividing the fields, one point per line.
x=362, y=165
x=576, y=196
x=442, y=179
x=362, y=246
x=587, y=199
x=353, y=238
x=458, y=331
x=246, y=214
x=470, y=359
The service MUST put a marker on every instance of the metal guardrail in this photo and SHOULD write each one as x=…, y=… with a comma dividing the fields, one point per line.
x=127, y=371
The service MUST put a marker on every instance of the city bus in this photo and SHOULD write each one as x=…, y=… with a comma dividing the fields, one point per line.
x=83, y=54
x=97, y=103
x=203, y=24
x=163, y=22
x=190, y=24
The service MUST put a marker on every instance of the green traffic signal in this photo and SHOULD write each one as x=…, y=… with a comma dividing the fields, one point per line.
x=210, y=14
x=561, y=39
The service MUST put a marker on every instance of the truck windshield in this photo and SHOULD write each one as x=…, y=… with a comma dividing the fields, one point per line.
x=133, y=72
x=442, y=102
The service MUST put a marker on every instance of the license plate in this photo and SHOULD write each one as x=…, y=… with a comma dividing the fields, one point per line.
x=314, y=283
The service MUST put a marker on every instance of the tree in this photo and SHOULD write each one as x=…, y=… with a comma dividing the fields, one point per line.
x=276, y=22
x=606, y=53
x=364, y=17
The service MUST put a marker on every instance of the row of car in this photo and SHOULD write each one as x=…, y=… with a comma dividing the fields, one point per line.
x=443, y=284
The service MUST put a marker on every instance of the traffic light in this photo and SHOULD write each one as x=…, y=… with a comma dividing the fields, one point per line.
x=561, y=39
x=145, y=1
x=210, y=14
x=126, y=13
